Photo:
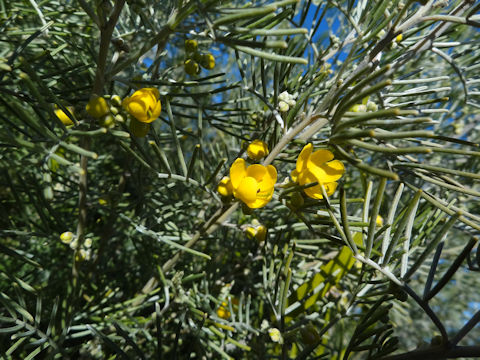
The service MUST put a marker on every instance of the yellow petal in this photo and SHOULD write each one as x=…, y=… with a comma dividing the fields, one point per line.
x=247, y=190
x=156, y=110
x=315, y=192
x=256, y=171
x=294, y=175
x=154, y=92
x=265, y=194
x=320, y=157
x=237, y=172
x=136, y=108
x=330, y=188
x=258, y=203
x=269, y=179
x=328, y=172
x=303, y=157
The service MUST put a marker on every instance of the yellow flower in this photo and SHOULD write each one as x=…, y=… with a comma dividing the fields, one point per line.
x=257, y=150
x=254, y=184
x=144, y=105
x=399, y=38
x=379, y=221
x=317, y=167
x=97, y=107
x=63, y=116
x=225, y=187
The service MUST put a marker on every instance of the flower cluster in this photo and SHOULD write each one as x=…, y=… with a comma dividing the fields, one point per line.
x=251, y=184
x=195, y=59
x=143, y=105
x=83, y=252
x=365, y=106
x=286, y=101
x=317, y=172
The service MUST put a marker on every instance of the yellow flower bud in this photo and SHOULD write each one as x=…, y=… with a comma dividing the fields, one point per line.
x=116, y=100
x=207, y=61
x=81, y=255
x=261, y=233
x=225, y=187
x=379, y=220
x=257, y=150
x=144, y=105
x=275, y=335
x=191, y=45
x=66, y=237
x=371, y=106
x=191, y=67
x=399, y=38
x=358, y=108
x=139, y=129
x=250, y=232
x=222, y=311
x=63, y=116
x=97, y=107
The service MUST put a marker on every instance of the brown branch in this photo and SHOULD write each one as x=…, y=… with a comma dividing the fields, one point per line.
x=106, y=32
x=437, y=353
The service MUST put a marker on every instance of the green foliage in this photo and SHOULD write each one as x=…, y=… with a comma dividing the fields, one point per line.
x=159, y=264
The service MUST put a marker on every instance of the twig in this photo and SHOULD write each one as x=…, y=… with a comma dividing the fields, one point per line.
x=106, y=32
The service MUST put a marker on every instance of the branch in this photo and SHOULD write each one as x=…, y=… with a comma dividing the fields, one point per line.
x=437, y=353
x=105, y=37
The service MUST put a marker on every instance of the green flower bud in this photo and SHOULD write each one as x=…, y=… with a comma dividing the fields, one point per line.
x=207, y=61
x=191, y=45
x=191, y=67
x=107, y=121
x=310, y=335
x=296, y=200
